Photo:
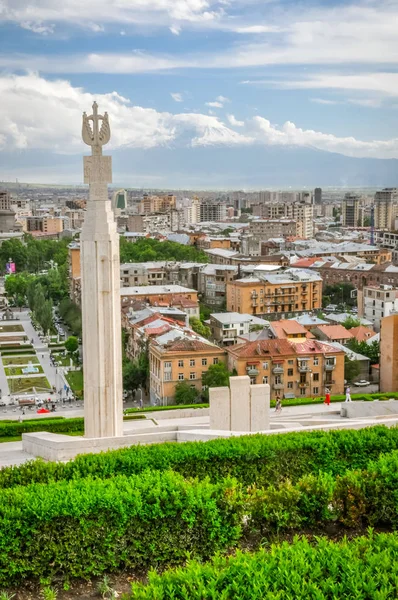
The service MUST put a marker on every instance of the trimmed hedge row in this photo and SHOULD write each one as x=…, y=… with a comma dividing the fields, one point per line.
x=17, y=352
x=86, y=527
x=258, y=459
x=366, y=567
x=165, y=408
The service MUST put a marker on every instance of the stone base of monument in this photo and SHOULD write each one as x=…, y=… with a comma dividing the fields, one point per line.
x=376, y=408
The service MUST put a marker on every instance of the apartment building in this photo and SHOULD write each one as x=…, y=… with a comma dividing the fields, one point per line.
x=212, y=283
x=360, y=275
x=350, y=210
x=155, y=204
x=150, y=223
x=227, y=327
x=159, y=295
x=5, y=200
x=280, y=295
x=210, y=212
x=179, y=356
x=291, y=369
x=265, y=229
x=45, y=224
x=332, y=333
x=377, y=302
x=386, y=209
x=389, y=354
x=303, y=214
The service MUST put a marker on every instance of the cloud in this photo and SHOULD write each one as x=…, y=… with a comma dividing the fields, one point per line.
x=44, y=114
x=37, y=27
x=234, y=122
x=222, y=99
x=176, y=96
x=382, y=83
x=175, y=29
x=324, y=101
x=95, y=27
x=215, y=104
x=258, y=29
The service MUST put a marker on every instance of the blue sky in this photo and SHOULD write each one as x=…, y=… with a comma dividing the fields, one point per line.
x=184, y=79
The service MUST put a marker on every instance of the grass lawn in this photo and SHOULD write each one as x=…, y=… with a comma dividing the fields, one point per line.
x=75, y=380
x=63, y=361
x=21, y=360
x=6, y=339
x=10, y=328
x=18, y=370
x=26, y=384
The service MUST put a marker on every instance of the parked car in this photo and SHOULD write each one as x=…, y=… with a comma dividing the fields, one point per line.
x=361, y=383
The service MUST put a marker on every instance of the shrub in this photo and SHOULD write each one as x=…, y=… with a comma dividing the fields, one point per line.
x=274, y=509
x=252, y=459
x=86, y=527
x=362, y=568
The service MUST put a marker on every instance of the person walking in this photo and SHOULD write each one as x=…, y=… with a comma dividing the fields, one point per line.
x=348, y=394
x=327, y=396
x=278, y=405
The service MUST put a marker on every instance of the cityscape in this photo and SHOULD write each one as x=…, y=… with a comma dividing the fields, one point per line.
x=198, y=300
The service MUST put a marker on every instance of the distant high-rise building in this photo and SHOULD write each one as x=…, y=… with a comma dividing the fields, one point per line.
x=350, y=210
x=212, y=212
x=318, y=195
x=386, y=208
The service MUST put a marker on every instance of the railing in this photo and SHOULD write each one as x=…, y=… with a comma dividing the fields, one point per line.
x=304, y=369
x=278, y=370
x=330, y=366
x=252, y=371
x=304, y=384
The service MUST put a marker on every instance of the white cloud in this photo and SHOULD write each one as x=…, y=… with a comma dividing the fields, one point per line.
x=324, y=101
x=37, y=27
x=175, y=29
x=234, y=122
x=44, y=114
x=215, y=104
x=258, y=29
x=96, y=27
x=222, y=99
x=176, y=96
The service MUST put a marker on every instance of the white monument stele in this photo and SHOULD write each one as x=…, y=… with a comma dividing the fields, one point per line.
x=100, y=284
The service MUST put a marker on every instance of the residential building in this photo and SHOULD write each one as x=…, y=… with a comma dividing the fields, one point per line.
x=150, y=223
x=265, y=229
x=213, y=212
x=5, y=200
x=212, y=283
x=289, y=329
x=360, y=275
x=291, y=369
x=156, y=204
x=318, y=195
x=362, y=333
x=227, y=327
x=219, y=256
x=276, y=295
x=309, y=321
x=179, y=355
x=350, y=209
x=303, y=213
x=45, y=224
x=389, y=354
x=191, y=211
x=159, y=295
x=386, y=208
x=332, y=333
x=377, y=302
x=363, y=361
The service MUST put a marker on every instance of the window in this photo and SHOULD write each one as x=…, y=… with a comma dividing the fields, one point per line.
x=215, y=361
x=265, y=379
x=180, y=363
x=180, y=376
x=290, y=372
x=204, y=362
x=290, y=385
x=302, y=391
x=252, y=381
x=192, y=362
x=316, y=390
x=167, y=365
x=316, y=377
x=316, y=362
x=192, y=376
x=290, y=362
x=265, y=366
x=167, y=376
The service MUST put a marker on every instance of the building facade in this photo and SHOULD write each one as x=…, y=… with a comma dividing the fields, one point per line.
x=350, y=210
x=389, y=354
x=377, y=302
x=386, y=209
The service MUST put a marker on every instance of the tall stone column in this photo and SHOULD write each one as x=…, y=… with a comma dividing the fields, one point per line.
x=100, y=279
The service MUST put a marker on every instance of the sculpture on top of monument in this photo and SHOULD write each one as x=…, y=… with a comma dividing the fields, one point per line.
x=94, y=135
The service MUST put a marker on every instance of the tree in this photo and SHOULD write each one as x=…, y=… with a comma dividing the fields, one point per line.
x=199, y=327
x=372, y=351
x=72, y=344
x=46, y=316
x=135, y=373
x=185, y=393
x=351, y=322
x=216, y=376
x=352, y=368
x=17, y=285
x=339, y=294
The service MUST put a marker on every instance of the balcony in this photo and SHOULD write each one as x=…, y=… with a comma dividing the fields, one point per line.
x=252, y=371
x=278, y=370
x=304, y=384
x=303, y=368
x=330, y=366
x=254, y=303
x=278, y=386
x=254, y=295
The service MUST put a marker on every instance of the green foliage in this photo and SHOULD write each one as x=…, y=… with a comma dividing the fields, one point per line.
x=365, y=567
x=48, y=593
x=205, y=312
x=216, y=376
x=352, y=368
x=72, y=344
x=136, y=373
x=372, y=351
x=34, y=255
x=84, y=528
x=339, y=293
x=72, y=315
x=256, y=459
x=185, y=393
x=351, y=322
x=148, y=249
x=199, y=327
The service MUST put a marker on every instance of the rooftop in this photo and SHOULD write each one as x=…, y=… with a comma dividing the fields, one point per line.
x=335, y=332
x=234, y=317
x=150, y=290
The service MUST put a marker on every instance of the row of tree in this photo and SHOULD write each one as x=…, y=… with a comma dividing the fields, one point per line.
x=42, y=308
x=147, y=249
x=34, y=255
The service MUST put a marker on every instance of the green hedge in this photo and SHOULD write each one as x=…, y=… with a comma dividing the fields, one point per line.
x=86, y=527
x=17, y=352
x=165, y=408
x=10, y=347
x=251, y=459
x=364, y=568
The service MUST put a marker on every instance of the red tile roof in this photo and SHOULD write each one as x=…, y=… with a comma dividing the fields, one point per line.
x=263, y=348
x=335, y=332
x=362, y=333
x=284, y=328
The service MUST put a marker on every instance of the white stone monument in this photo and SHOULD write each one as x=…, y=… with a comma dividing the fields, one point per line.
x=100, y=281
x=241, y=407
